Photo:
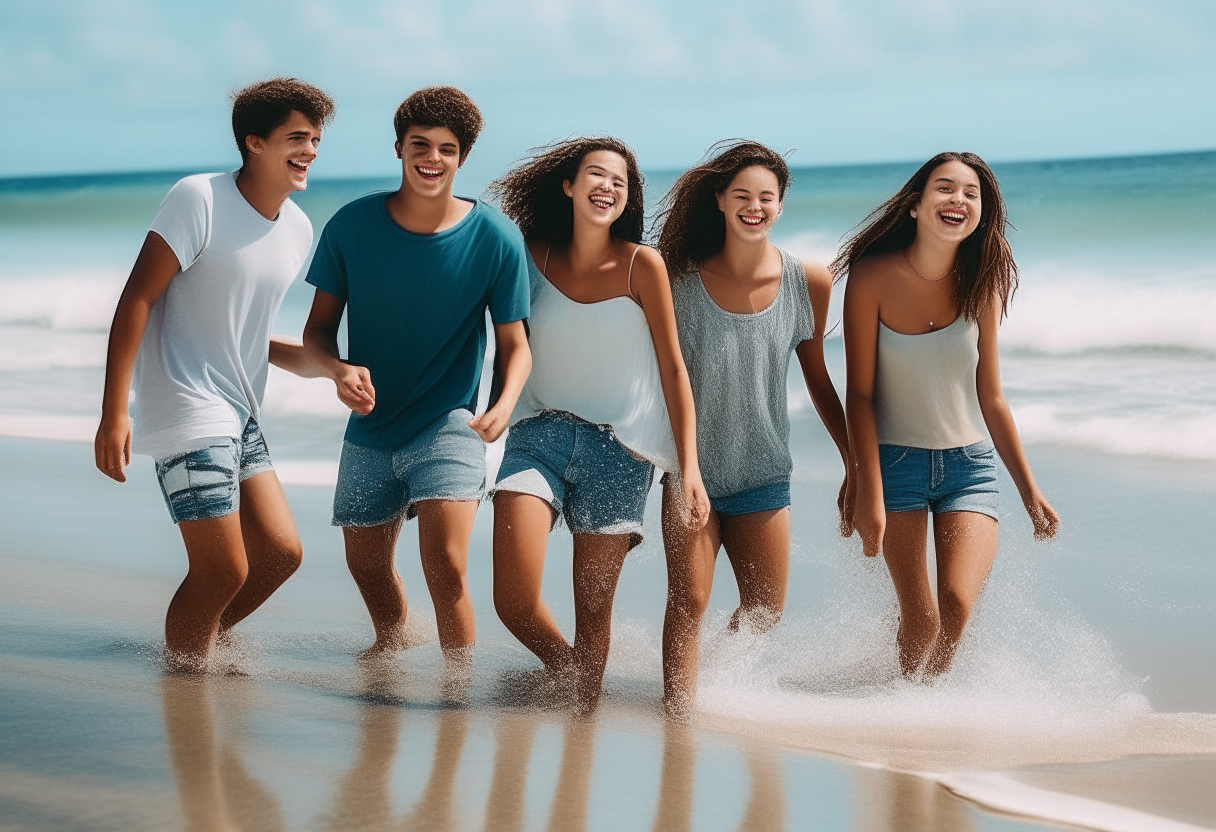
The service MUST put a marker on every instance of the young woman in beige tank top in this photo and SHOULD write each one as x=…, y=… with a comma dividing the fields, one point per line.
x=930, y=276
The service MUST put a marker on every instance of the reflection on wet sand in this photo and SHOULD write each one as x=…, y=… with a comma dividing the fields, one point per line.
x=891, y=801
x=217, y=792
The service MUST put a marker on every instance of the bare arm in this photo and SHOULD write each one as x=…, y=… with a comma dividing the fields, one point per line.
x=999, y=420
x=511, y=348
x=154, y=269
x=289, y=354
x=353, y=383
x=861, y=360
x=653, y=290
x=823, y=392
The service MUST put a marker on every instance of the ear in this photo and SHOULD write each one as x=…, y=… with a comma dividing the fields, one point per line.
x=255, y=144
x=397, y=149
x=568, y=188
x=720, y=198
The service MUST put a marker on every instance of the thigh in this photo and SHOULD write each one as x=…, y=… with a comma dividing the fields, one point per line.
x=598, y=559
x=444, y=529
x=758, y=545
x=372, y=546
x=266, y=521
x=368, y=494
x=521, y=535
x=904, y=549
x=966, y=543
x=691, y=552
x=215, y=545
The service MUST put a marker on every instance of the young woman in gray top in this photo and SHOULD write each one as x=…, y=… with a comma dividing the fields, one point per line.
x=930, y=277
x=743, y=306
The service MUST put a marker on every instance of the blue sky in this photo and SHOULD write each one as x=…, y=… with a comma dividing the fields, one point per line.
x=115, y=85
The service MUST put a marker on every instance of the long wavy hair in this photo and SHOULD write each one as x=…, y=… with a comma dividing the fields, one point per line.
x=693, y=227
x=984, y=269
x=531, y=194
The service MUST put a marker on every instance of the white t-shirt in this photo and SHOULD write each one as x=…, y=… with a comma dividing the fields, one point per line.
x=202, y=365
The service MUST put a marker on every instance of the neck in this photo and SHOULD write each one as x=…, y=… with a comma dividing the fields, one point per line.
x=263, y=197
x=421, y=214
x=933, y=258
x=588, y=247
x=742, y=260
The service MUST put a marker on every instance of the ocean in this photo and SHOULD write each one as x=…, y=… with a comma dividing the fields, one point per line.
x=1084, y=692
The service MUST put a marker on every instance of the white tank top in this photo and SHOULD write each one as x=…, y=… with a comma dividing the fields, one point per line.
x=924, y=387
x=597, y=361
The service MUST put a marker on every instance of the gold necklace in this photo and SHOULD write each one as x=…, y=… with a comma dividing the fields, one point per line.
x=908, y=260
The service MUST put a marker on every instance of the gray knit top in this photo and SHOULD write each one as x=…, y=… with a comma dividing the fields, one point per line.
x=737, y=364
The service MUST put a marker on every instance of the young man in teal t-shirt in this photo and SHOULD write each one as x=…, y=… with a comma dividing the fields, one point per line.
x=415, y=270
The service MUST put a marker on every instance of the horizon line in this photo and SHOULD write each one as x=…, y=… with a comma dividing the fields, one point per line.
x=164, y=173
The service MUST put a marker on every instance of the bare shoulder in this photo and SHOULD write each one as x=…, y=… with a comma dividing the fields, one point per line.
x=871, y=272
x=648, y=267
x=818, y=277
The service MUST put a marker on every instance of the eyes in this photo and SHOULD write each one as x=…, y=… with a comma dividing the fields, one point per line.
x=423, y=147
x=969, y=193
x=617, y=182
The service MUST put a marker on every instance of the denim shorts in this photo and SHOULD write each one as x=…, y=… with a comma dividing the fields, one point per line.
x=581, y=470
x=953, y=479
x=447, y=461
x=205, y=484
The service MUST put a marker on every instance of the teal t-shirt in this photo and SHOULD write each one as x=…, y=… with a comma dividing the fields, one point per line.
x=416, y=305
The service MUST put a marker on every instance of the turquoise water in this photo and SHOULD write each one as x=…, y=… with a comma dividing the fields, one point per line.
x=1096, y=647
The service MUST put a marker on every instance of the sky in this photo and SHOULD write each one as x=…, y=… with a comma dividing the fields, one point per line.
x=126, y=85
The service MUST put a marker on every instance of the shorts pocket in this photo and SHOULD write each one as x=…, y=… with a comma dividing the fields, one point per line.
x=982, y=451
x=891, y=455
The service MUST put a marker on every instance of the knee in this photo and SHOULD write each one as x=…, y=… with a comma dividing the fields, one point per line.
x=921, y=625
x=759, y=619
x=291, y=555
x=225, y=575
x=955, y=610
x=687, y=604
x=444, y=576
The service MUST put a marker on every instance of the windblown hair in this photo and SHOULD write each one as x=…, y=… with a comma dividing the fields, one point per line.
x=257, y=110
x=984, y=269
x=532, y=194
x=441, y=107
x=694, y=229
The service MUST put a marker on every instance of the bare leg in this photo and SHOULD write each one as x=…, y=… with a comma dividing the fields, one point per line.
x=966, y=547
x=190, y=731
x=218, y=569
x=903, y=547
x=521, y=534
x=598, y=559
x=444, y=529
x=691, y=553
x=371, y=556
x=272, y=545
x=758, y=545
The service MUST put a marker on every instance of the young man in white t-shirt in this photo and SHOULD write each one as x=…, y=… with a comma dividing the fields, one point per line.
x=192, y=329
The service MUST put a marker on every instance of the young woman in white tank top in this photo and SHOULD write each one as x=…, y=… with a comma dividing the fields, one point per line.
x=930, y=277
x=607, y=401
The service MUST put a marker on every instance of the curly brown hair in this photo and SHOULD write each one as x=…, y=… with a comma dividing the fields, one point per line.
x=441, y=107
x=257, y=110
x=694, y=228
x=531, y=194
x=984, y=269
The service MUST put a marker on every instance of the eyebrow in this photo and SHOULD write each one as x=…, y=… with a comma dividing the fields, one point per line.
x=952, y=182
x=423, y=138
x=763, y=191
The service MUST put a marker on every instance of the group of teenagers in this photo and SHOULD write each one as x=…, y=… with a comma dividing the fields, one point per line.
x=612, y=358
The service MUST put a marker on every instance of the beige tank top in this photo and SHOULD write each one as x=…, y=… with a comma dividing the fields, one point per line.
x=924, y=387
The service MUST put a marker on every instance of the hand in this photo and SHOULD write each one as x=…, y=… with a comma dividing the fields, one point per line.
x=846, y=504
x=870, y=519
x=112, y=447
x=696, y=501
x=491, y=424
x=354, y=385
x=1046, y=520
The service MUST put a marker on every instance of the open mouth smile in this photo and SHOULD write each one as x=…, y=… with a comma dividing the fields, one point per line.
x=955, y=218
x=430, y=174
x=603, y=201
x=299, y=167
x=747, y=219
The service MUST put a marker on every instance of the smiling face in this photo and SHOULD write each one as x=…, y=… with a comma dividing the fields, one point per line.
x=287, y=153
x=430, y=157
x=949, y=207
x=600, y=188
x=751, y=203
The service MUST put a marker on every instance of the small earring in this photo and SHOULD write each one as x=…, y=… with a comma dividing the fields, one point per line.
x=913, y=212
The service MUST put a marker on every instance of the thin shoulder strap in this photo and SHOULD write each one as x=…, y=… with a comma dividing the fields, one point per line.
x=629, y=277
x=545, y=268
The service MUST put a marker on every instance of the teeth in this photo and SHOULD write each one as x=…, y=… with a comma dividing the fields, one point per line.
x=603, y=201
x=430, y=171
x=752, y=220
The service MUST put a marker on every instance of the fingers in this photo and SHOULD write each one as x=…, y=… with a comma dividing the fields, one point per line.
x=355, y=390
x=489, y=425
x=112, y=454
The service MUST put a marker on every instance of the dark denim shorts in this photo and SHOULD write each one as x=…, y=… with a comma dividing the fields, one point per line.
x=769, y=497
x=581, y=470
x=952, y=479
x=206, y=483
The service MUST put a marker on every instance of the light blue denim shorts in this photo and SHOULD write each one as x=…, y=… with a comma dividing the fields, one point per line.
x=206, y=483
x=953, y=479
x=581, y=470
x=447, y=461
